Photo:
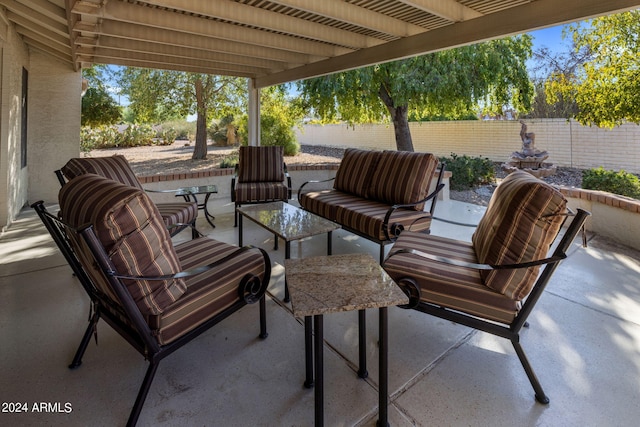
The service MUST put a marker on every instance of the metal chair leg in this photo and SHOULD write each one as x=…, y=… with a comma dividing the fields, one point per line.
x=540, y=395
x=77, y=359
x=142, y=394
x=263, y=318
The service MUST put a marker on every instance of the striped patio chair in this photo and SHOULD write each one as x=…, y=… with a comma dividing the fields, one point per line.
x=493, y=282
x=261, y=176
x=176, y=215
x=157, y=296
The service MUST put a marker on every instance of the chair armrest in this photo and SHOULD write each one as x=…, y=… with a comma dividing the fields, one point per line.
x=393, y=230
x=288, y=178
x=182, y=224
x=464, y=264
x=60, y=177
x=173, y=190
x=314, y=182
x=248, y=289
x=448, y=221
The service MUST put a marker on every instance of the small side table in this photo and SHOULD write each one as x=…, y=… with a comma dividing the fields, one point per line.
x=190, y=193
x=331, y=284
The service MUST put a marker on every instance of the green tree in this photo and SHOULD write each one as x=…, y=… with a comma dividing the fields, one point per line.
x=607, y=86
x=278, y=116
x=98, y=107
x=158, y=96
x=449, y=83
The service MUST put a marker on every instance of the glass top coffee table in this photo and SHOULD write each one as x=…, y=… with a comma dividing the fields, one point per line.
x=287, y=222
x=190, y=195
x=331, y=284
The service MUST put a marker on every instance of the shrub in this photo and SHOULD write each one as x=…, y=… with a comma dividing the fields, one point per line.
x=184, y=130
x=622, y=183
x=469, y=172
x=92, y=138
x=136, y=135
x=165, y=135
x=230, y=161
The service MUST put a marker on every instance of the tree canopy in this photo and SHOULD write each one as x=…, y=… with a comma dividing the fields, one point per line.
x=452, y=83
x=607, y=86
x=159, y=95
x=278, y=117
x=98, y=107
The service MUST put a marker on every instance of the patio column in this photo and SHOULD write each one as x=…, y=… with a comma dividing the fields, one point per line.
x=254, y=113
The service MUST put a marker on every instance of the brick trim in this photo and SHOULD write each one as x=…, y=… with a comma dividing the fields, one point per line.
x=229, y=171
x=603, y=197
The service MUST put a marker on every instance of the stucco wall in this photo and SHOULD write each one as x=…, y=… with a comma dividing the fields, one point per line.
x=568, y=143
x=13, y=178
x=54, y=123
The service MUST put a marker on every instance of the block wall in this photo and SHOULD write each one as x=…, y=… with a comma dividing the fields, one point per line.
x=569, y=143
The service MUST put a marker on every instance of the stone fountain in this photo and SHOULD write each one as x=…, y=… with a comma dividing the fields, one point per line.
x=529, y=159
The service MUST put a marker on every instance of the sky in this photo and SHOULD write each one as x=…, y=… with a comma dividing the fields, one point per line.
x=549, y=37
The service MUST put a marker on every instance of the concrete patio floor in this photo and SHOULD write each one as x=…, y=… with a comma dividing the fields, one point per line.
x=584, y=344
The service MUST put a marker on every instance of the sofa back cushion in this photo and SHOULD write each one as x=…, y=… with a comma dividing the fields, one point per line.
x=402, y=177
x=132, y=232
x=521, y=222
x=261, y=164
x=355, y=171
x=115, y=167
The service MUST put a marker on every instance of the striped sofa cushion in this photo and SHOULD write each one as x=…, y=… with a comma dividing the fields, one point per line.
x=323, y=203
x=522, y=220
x=208, y=293
x=247, y=192
x=132, y=232
x=355, y=171
x=115, y=167
x=446, y=285
x=261, y=164
x=402, y=177
x=367, y=217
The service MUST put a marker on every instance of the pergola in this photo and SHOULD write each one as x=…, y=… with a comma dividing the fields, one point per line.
x=272, y=42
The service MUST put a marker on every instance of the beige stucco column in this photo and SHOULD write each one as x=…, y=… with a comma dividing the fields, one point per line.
x=254, y=113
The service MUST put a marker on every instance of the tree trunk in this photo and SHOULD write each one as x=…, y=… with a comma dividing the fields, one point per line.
x=400, y=119
x=200, y=149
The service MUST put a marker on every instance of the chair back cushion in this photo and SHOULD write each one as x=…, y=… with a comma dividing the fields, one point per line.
x=522, y=220
x=355, y=171
x=402, y=177
x=132, y=232
x=115, y=167
x=261, y=164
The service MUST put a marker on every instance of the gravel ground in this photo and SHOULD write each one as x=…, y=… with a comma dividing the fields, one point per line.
x=177, y=158
x=568, y=177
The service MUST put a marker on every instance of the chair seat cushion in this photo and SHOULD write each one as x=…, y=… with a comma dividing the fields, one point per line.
x=520, y=224
x=132, y=232
x=362, y=215
x=446, y=285
x=323, y=203
x=178, y=212
x=367, y=217
x=208, y=293
x=249, y=192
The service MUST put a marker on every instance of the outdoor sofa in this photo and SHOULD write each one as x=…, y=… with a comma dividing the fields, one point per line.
x=377, y=194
